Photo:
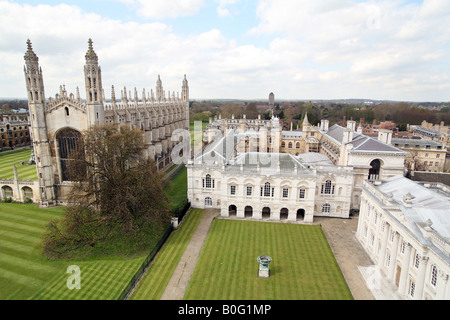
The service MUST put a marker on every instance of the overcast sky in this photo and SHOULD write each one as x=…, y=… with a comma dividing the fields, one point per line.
x=298, y=49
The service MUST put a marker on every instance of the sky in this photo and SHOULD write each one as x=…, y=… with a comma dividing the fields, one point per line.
x=235, y=49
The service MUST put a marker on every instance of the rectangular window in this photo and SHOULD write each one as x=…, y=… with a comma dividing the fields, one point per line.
x=249, y=191
x=285, y=193
x=412, y=288
x=273, y=191
x=233, y=190
x=302, y=193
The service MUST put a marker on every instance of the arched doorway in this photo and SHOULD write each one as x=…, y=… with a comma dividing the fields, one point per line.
x=300, y=214
x=27, y=193
x=232, y=210
x=374, y=171
x=266, y=213
x=284, y=213
x=7, y=192
x=70, y=144
x=248, y=212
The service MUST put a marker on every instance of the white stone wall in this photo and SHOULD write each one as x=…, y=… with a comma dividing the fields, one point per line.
x=383, y=233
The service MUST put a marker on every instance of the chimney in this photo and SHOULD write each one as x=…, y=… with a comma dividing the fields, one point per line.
x=385, y=136
x=351, y=125
x=324, y=125
x=348, y=136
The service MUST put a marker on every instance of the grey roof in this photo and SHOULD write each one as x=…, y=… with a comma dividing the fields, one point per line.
x=285, y=161
x=426, y=203
x=416, y=142
x=313, y=158
x=360, y=142
x=292, y=133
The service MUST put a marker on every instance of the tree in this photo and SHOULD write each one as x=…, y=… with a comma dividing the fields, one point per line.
x=117, y=193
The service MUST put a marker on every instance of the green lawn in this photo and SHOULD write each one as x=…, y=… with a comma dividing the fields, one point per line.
x=154, y=282
x=8, y=159
x=26, y=274
x=303, y=265
x=176, y=189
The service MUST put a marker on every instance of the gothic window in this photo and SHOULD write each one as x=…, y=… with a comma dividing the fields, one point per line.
x=297, y=145
x=283, y=144
x=70, y=149
x=290, y=145
x=66, y=109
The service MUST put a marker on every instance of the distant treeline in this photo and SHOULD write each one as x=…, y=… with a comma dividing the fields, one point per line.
x=9, y=104
x=401, y=113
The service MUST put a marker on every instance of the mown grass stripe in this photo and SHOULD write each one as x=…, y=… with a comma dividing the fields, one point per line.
x=24, y=218
x=158, y=275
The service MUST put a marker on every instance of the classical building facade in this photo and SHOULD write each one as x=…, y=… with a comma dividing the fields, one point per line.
x=404, y=227
x=57, y=123
x=370, y=158
x=252, y=168
x=423, y=154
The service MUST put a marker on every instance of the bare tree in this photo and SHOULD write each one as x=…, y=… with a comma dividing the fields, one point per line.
x=117, y=191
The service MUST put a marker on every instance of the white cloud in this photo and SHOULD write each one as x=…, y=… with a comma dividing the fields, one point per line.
x=375, y=49
x=159, y=9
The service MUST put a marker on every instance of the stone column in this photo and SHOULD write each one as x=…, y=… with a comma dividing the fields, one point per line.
x=382, y=255
x=406, y=261
x=393, y=261
x=420, y=281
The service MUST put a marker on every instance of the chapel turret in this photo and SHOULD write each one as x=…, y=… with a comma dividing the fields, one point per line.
x=93, y=84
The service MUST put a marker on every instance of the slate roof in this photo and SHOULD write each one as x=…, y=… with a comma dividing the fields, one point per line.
x=426, y=203
x=360, y=142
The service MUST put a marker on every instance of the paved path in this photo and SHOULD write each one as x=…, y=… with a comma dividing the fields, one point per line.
x=178, y=283
x=353, y=260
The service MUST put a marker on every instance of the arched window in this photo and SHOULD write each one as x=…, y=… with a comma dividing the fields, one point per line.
x=70, y=144
x=290, y=145
x=327, y=188
x=374, y=171
x=27, y=193
x=67, y=111
x=326, y=208
x=297, y=145
x=208, y=202
x=267, y=189
x=7, y=192
x=283, y=144
x=208, y=181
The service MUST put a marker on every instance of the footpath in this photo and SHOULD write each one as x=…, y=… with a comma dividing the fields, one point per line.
x=178, y=283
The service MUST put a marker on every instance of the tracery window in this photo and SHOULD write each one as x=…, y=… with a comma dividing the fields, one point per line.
x=326, y=208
